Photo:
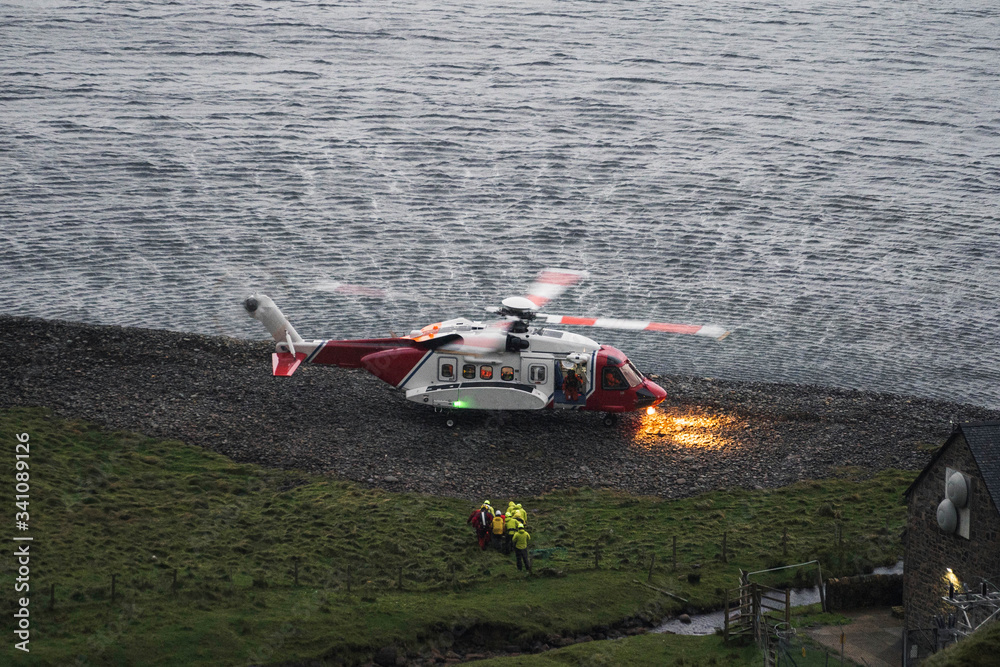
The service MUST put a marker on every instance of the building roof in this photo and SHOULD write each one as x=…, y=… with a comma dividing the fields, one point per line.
x=983, y=439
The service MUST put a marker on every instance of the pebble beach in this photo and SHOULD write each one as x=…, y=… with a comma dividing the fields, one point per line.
x=218, y=393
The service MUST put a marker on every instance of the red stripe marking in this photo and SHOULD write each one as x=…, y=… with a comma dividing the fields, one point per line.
x=585, y=321
x=283, y=364
x=673, y=328
x=393, y=366
x=348, y=353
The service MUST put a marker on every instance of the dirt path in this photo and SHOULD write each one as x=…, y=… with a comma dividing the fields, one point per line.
x=873, y=637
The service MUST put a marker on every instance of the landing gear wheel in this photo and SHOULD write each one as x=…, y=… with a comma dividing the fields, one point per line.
x=450, y=423
x=610, y=419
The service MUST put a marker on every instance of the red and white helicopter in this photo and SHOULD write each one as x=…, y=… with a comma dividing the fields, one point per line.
x=515, y=363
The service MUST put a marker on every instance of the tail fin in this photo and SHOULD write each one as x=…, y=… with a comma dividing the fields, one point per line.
x=287, y=358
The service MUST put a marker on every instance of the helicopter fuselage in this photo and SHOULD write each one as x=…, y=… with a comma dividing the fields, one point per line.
x=461, y=364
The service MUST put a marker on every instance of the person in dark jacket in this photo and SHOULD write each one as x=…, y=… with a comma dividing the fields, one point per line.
x=481, y=520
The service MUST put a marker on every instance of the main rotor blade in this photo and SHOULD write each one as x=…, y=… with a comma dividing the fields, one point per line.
x=550, y=283
x=351, y=289
x=709, y=330
x=359, y=290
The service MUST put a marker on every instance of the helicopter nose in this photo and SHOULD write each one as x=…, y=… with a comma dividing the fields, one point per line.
x=649, y=394
x=660, y=392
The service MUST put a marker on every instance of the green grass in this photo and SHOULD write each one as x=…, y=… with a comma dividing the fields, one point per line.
x=811, y=615
x=978, y=650
x=119, y=503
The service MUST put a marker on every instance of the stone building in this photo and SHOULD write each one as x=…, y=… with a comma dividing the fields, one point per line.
x=952, y=527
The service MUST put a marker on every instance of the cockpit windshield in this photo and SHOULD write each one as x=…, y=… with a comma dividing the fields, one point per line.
x=632, y=374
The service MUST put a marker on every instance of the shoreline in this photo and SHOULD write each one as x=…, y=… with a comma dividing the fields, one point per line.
x=217, y=392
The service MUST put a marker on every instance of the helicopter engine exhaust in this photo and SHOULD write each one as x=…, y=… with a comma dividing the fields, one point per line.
x=262, y=308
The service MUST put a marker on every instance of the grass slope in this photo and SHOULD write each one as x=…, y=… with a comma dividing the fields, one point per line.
x=981, y=649
x=642, y=651
x=119, y=503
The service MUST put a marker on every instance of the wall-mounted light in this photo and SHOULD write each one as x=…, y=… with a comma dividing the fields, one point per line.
x=953, y=582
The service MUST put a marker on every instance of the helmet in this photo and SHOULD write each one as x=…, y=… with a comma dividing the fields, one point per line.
x=486, y=502
x=518, y=506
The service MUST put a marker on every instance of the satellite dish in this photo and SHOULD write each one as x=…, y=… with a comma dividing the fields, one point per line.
x=947, y=516
x=957, y=490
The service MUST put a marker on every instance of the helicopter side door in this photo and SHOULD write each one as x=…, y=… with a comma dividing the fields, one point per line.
x=537, y=371
x=572, y=384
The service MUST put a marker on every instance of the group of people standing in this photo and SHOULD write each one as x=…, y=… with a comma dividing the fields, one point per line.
x=503, y=530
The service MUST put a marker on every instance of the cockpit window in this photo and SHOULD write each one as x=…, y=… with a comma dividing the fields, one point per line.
x=612, y=379
x=632, y=374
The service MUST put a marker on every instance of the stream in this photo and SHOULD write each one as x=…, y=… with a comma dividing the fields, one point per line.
x=707, y=623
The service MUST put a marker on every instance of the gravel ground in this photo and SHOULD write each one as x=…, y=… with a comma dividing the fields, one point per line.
x=218, y=393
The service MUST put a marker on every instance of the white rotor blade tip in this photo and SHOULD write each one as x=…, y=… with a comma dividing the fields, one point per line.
x=713, y=331
x=550, y=283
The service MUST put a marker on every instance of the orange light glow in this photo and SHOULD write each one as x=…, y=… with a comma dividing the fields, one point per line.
x=694, y=431
x=953, y=580
x=651, y=410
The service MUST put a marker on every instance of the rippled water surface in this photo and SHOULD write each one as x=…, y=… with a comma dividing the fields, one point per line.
x=821, y=178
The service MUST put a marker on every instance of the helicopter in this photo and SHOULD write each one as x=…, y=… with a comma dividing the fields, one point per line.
x=517, y=362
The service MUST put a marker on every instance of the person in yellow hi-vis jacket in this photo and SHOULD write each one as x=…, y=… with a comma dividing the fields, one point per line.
x=520, y=541
x=521, y=513
x=497, y=526
x=509, y=528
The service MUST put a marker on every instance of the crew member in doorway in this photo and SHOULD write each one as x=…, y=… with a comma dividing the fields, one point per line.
x=571, y=386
